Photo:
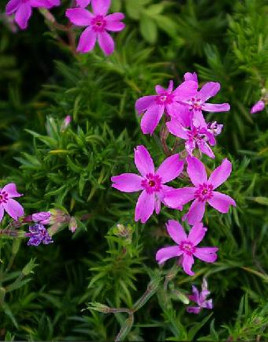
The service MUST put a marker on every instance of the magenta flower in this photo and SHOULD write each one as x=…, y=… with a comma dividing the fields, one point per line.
x=23, y=9
x=97, y=25
x=12, y=207
x=166, y=100
x=186, y=247
x=203, y=190
x=82, y=3
x=258, y=107
x=200, y=299
x=150, y=182
x=195, y=137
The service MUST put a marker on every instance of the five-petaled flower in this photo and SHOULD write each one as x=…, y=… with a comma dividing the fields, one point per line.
x=38, y=234
x=186, y=247
x=97, y=24
x=150, y=182
x=23, y=9
x=8, y=204
x=203, y=190
x=200, y=299
x=166, y=101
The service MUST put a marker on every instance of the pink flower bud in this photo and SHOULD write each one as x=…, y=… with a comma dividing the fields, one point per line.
x=258, y=107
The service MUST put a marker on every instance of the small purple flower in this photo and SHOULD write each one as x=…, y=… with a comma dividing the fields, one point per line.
x=186, y=247
x=43, y=217
x=23, y=9
x=258, y=107
x=214, y=128
x=203, y=190
x=97, y=25
x=38, y=234
x=12, y=207
x=200, y=299
x=66, y=122
x=151, y=182
x=166, y=101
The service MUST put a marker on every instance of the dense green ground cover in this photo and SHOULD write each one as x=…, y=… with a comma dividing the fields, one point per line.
x=42, y=82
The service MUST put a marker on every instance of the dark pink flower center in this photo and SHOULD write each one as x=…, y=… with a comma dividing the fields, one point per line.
x=204, y=192
x=152, y=183
x=187, y=247
x=3, y=197
x=98, y=23
x=164, y=99
x=195, y=104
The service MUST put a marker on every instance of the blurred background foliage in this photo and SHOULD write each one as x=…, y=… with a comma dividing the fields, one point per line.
x=44, y=291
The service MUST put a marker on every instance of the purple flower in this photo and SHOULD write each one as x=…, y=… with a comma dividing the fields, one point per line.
x=195, y=137
x=203, y=190
x=82, y=3
x=23, y=9
x=166, y=100
x=97, y=25
x=43, y=217
x=12, y=207
x=214, y=128
x=186, y=247
x=38, y=234
x=200, y=299
x=150, y=182
x=258, y=107
x=66, y=122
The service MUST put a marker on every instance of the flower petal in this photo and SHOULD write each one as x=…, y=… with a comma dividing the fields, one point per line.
x=180, y=113
x=195, y=213
x=208, y=90
x=106, y=43
x=87, y=40
x=127, y=182
x=101, y=6
x=170, y=168
x=193, y=309
x=196, y=171
x=151, y=119
x=144, y=103
x=185, y=91
x=166, y=253
x=178, y=197
x=198, y=119
x=207, y=254
x=11, y=189
x=115, y=26
x=83, y=3
x=144, y=207
x=205, y=148
x=43, y=3
x=176, y=231
x=22, y=15
x=220, y=174
x=188, y=76
x=12, y=6
x=143, y=161
x=187, y=263
x=1, y=212
x=221, y=202
x=258, y=107
x=79, y=16
x=215, y=107
x=117, y=16
x=197, y=233
x=13, y=208
x=177, y=129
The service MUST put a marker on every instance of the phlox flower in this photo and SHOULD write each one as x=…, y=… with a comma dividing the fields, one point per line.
x=97, y=24
x=38, y=234
x=200, y=298
x=258, y=107
x=166, y=101
x=150, y=182
x=203, y=190
x=23, y=9
x=186, y=247
x=8, y=204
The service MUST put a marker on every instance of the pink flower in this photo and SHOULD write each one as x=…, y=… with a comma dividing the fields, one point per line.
x=23, y=9
x=186, y=247
x=203, y=190
x=12, y=207
x=196, y=137
x=200, y=299
x=258, y=107
x=166, y=100
x=82, y=3
x=66, y=122
x=150, y=182
x=97, y=25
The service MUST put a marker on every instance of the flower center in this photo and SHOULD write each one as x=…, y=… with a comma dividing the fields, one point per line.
x=152, y=183
x=195, y=104
x=187, y=247
x=3, y=197
x=164, y=99
x=204, y=192
x=98, y=23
